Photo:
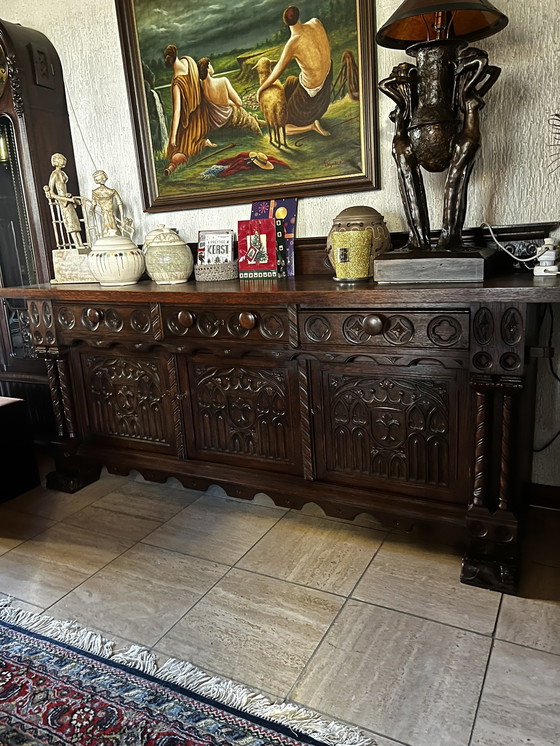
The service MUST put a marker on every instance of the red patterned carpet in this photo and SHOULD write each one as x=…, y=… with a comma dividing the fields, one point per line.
x=53, y=693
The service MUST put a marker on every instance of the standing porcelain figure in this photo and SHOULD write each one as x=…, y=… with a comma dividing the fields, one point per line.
x=116, y=260
x=109, y=204
x=65, y=203
x=169, y=260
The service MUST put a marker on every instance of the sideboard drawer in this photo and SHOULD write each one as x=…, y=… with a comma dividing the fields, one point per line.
x=99, y=322
x=436, y=329
x=264, y=325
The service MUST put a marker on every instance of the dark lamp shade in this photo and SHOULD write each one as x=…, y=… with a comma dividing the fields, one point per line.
x=413, y=22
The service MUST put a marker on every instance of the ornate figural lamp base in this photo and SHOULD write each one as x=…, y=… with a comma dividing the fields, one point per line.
x=436, y=118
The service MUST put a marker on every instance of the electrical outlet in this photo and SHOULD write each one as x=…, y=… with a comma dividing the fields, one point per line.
x=524, y=250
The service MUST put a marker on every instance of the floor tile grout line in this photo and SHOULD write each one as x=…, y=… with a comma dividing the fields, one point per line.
x=381, y=544
x=481, y=692
x=309, y=661
x=188, y=611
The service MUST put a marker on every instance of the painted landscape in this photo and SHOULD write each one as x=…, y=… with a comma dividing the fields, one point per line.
x=235, y=37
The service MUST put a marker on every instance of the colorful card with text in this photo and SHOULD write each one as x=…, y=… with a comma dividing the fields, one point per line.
x=286, y=209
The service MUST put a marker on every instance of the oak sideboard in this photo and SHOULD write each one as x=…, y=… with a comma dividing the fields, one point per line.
x=413, y=403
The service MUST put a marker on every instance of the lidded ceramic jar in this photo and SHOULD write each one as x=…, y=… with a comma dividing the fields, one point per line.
x=357, y=236
x=116, y=260
x=169, y=260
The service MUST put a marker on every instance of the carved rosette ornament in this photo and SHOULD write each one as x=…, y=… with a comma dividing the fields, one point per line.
x=15, y=84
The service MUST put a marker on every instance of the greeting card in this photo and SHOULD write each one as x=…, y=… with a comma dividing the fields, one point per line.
x=256, y=248
x=286, y=210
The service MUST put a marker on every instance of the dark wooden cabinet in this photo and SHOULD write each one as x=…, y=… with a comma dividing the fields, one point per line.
x=411, y=403
x=33, y=125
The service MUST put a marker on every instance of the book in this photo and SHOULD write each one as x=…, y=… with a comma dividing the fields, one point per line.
x=256, y=249
x=286, y=210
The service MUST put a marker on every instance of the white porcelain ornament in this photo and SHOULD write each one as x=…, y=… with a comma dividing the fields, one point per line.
x=116, y=260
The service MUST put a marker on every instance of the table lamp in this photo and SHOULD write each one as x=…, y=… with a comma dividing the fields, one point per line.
x=438, y=101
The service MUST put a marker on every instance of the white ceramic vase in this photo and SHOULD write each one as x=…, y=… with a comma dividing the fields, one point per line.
x=169, y=260
x=116, y=260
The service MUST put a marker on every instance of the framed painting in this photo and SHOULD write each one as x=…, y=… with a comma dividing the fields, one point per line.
x=237, y=101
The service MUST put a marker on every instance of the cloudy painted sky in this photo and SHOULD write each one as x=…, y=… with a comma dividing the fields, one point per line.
x=201, y=29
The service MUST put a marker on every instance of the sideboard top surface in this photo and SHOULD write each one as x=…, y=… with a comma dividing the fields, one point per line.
x=307, y=290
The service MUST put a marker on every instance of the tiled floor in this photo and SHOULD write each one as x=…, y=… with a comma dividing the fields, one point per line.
x=367, y=627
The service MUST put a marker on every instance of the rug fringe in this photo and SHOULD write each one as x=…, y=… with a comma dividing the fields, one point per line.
x=187, y=675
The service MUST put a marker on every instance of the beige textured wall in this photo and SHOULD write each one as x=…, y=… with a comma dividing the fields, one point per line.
x=510, y=184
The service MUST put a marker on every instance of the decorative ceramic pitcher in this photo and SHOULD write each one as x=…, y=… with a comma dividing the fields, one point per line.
x=357, y=236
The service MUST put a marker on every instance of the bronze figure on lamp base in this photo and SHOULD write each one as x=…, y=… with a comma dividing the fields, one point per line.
x=437, y=128
x=438, y=101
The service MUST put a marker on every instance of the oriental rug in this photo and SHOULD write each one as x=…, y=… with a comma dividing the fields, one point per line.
x=63, y=685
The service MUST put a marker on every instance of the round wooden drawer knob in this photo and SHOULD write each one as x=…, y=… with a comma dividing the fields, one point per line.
x=247, y=320
x=372, y=324
x=185, y=318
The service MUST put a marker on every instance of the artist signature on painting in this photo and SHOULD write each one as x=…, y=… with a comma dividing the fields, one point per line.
x=333, y=164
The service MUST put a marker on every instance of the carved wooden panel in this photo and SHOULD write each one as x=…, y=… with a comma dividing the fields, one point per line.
x=134, y=398
x=498, y=331
x=39, y=324
x=386, y=427
x=386, y=328
x=262, y=325
x=245, y=412
x=94, y=322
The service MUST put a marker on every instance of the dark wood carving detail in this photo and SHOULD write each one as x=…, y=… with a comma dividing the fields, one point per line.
x=444, y=331
x=510, y=361
x=155, y=322
x=389, y=427
x=178, y=429
x=47, y=314
x=15, y=83
x=353, y=330
x=125, y=398
x=34, y=314
x=91, y=318
x=113, y=320
x=482, y=388
x=293, y=325
x=235, y=328
x=66, y=396
x=180, y=323
x=511, y=389
x=240, y=411
x=66, y=318
x=483, y=361
x=306, y=444
x=208, y=324
x=140, y=321
x=483, y=326
x=318, y=329
x=398, y=330
x=52, y=376
x=272, y=326
x=512, y=326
